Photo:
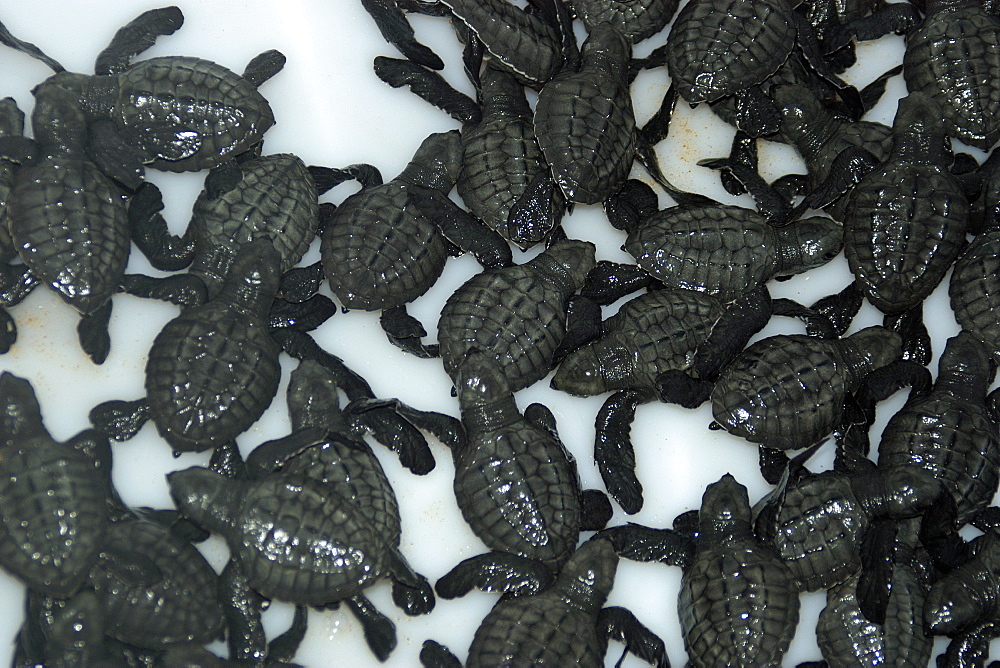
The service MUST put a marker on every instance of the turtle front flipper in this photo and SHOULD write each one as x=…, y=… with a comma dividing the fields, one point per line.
x=411, y=592
x=428, y=86
x=135, y=37
x=613, y=449
x=396, y=30
x=508, y=574
x=120, y=420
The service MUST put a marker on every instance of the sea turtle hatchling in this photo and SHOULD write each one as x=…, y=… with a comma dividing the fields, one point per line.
x=738, y=603
x=544, y=621
x=515, y=314
x=788, y=391
x=176, y=113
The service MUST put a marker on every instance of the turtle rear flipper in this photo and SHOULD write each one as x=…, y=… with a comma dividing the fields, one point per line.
x=616, y=623
x=380, y=632
x=509, y=574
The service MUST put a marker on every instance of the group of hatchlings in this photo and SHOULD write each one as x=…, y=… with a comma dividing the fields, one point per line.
x=311, y=518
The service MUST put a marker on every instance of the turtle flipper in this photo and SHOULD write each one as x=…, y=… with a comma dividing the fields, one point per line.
x=502, y=572
x=263, y=66
x=120, y=420
x=242, y=606
x=428, y=86
x=380, y=632
x=916, y=340
x=135, y=37
x=382, y=419
x=404, y=331
x=8, y=331
x=28, y=48
x=150, y=234
x=92, y=331
x=435, y=655
x=615, y=623
x=613, y=449
x=283, y=648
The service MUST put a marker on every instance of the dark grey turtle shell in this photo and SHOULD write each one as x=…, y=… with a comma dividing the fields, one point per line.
x=11, y=125
x=213, y=370
x=819, y=530
x=847, y=638
x=716, y=49
x=726, y=251
x=585, y=123
x=636, y=19
x=185, y=113
x=515, y=314
x=155, y=589
x=556, y=626
x=954, y=56
x=276, y=199
x=743, y=591
x=975, y=290
x=788, y=391
x=515, y=483
x=54, y=515
x=70, y=226
x=379, y=251
x=296, y=539
x=350, y=468
x=501, y=156
x=950, y=431
x=655, y=332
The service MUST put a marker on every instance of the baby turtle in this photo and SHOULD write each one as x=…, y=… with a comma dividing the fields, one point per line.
x=906, y=220
x=585, y=123
x=516, y=484
x=53, y=496
x=726, y=251
x=541, y=621
x=951, y=431
x=524, y=43
x=847, y=638
x=273, y=197
x=175, y=113
x=505, y=180
x=67, y=219
x=387, y=244
x=788, y=391
x=738, y=603
x=213, y=370
x=953, y=56
x=515, y=314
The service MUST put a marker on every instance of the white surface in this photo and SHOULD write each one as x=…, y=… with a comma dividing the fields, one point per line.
x=332, y=110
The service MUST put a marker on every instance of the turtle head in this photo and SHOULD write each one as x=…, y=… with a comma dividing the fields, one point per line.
x=581, y=374
x=725, y=501
x=480, y=381
x=809, y=243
